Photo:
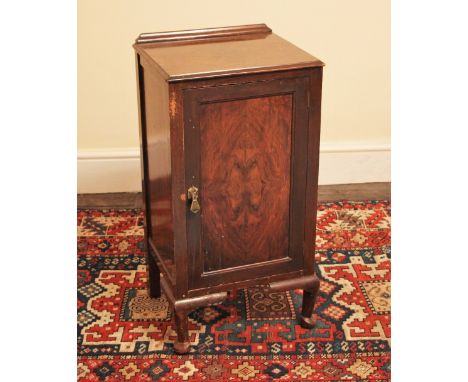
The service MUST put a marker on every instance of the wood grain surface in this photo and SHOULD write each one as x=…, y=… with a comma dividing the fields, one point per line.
x=234, y=112
x=159, y=181
x=282, y=100
x=245, y=178
x=256, y=53
x=205, y=34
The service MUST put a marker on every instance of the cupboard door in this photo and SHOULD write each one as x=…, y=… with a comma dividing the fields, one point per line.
x=246, y=158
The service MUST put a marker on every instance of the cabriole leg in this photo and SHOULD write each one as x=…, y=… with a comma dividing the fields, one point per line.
x=182, y=345
x=308, y=303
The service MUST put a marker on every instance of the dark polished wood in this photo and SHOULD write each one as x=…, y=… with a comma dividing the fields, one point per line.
x=154, y=277
x=182, y=345
x=308, y=302
x=249, y=225
x=203, y=34
x=230, y=128
x=159, y=183
x=153, y=269
x=220, y=52
x=241, y=184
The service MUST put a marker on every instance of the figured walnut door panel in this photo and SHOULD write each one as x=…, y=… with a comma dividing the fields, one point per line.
x=245, y=162
x=245, y=151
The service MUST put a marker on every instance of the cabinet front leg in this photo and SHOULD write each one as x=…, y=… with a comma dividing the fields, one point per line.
x=182, y=345
x=154, y=277
x=308, y=303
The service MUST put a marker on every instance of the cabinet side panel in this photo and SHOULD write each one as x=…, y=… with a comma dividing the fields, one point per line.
x=315, y=105
x=159, y=168
x=245, y=158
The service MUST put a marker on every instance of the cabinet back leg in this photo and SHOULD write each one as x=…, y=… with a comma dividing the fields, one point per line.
x=154, y=277
x=308, y=304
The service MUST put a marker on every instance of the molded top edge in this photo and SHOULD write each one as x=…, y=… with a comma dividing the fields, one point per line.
x=201, y=34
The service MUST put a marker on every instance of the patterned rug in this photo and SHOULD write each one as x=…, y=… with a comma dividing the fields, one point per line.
x=123, y=335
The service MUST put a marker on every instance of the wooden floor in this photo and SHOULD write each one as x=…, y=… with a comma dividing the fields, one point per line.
x=355, y=192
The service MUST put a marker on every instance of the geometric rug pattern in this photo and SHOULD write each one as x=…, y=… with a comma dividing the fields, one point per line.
x=124, y=335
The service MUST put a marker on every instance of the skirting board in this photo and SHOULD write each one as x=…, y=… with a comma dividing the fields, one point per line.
x=102, y=171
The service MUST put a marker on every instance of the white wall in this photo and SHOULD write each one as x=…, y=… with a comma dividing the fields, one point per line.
x=352, y=38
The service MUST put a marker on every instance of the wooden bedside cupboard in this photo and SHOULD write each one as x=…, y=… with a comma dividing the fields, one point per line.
x=229, y=133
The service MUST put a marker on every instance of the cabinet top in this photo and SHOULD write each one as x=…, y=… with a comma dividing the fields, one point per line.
x=215, y=52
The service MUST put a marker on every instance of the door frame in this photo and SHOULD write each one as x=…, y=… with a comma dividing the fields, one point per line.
x=193, y=99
